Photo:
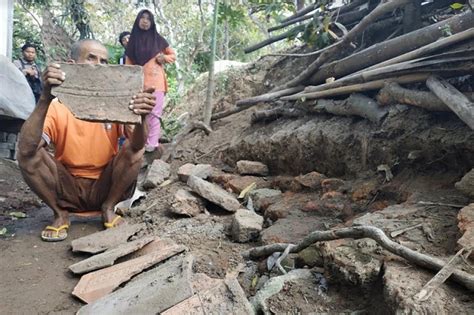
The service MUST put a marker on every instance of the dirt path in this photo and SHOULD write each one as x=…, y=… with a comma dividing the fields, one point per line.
x=34, y=275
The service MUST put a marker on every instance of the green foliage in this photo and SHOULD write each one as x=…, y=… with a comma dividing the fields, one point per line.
x=25, y=30
x=234, y=16
x=115, y=52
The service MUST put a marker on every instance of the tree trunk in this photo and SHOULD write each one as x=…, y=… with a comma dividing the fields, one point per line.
x=392, y=48
x=56, y=41
x=454, y=99
x=392, y=93
x=299, y=4
x=211, y=81
x=226, y=40
x=412, y=16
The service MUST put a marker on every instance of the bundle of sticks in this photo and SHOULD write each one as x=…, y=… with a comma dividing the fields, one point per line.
x=421, y=46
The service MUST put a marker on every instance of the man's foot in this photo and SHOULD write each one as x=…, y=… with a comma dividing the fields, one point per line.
x=57, y=231
x=112, y=220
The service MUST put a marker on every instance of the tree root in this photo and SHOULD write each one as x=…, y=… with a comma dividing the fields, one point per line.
x=357, y=232
x=275, y=113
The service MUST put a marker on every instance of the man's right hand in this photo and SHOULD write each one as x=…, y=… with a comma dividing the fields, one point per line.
x=52, y=76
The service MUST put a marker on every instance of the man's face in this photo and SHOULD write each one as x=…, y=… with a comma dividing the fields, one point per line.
x=125, y=40
x=145, y=22
x=93, y=53
x=29, y=54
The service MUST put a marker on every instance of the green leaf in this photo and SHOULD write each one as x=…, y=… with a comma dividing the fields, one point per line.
x=3, y=231
x=456, y=6
x=18, y=215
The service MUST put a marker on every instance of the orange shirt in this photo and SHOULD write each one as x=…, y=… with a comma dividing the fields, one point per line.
x=154, y=73
x=83, y=147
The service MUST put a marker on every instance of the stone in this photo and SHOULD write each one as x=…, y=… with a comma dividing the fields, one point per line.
x=157, y=245
x=466, y=226
x=466, y=184
x=100, y=92
x=103, y=240
x=239, y=183
x=213, y=193
x=150, y=293
x=108, y=257
x=223, y=297
x=286, y=183
x=264, y=197
x=365, y=191
x=332, y=184
x=291, y=229
x=97, y=284
x=251, y=168
x=158, y=172
x=187, y=203
x=246, y=226
x=311, y=180
x=200, y=170
x=310, y=256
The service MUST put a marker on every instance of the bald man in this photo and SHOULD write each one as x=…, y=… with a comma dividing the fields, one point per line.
x=88, y=171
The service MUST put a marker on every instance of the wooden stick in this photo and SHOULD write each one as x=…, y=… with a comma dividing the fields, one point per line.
x=268, y=97
x=427, y=49
x=454, y=99
x=373, y=85
x=380, y=10
x=442, y=275
x=291, y=22
x=358, y=232
x=274, y=39
x=301, y=12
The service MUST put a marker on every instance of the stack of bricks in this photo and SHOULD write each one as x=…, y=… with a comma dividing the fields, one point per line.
x=8, y=145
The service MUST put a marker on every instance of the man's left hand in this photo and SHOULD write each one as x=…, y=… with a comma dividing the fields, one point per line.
x=143, y=102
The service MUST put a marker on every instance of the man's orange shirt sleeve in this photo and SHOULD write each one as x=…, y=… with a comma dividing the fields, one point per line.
x=50, y=127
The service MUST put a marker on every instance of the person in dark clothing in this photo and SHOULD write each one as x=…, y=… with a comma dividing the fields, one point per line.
x=27, y=65
x=124, y=37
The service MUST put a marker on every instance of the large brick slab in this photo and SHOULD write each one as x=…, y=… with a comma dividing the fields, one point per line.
x=103, y=240
x=150, y=293
x=108, y=257
x=98, y=284
x=213, y=193
x=100, y=92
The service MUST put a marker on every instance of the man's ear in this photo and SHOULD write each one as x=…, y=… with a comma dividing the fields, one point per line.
x=71, y=61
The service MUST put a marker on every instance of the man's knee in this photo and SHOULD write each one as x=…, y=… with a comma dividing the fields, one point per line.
x=130, y=155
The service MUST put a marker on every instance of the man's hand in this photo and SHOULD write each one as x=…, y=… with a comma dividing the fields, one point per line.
x=52, y=76
x=31, y=72
x=160, y=58
x=143, y=102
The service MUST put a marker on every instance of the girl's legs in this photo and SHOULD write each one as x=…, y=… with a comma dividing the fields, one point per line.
x=154, y=128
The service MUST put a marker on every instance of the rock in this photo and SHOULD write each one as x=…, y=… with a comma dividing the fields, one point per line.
x=332, y=184
x=350, y=263
x=310, y=256
x=158, y=244
x=275, y=285
x=200, y=170
x=251, y=168
x=246, y=226
x=96, y=99
x=365, y=191
x=103, y=240
x=187, y=203
x=223, y=297
x=150, y=293
x=239, y=183
x=97, y=284
x=213, y=193
x=291, y=229
x=158, y=172
x=286, y=183
x=311, y=180
x=466, y=226
x=264, y=197
x=466, y=184
x=108, y=257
